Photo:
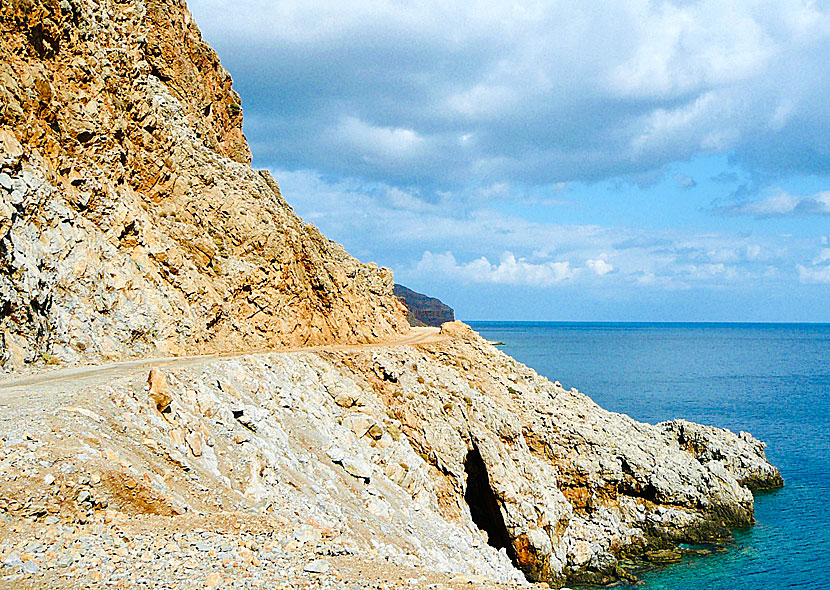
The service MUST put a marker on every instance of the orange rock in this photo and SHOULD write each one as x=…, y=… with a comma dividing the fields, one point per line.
x=194, y=441
x=159, y=391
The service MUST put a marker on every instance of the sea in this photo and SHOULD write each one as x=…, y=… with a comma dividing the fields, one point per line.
x=772, y=380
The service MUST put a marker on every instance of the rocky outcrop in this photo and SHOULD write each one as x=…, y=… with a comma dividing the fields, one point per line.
x=423, y=310
x=447, y=457
x=132, y=224
x=130, y=221
x=581, y=490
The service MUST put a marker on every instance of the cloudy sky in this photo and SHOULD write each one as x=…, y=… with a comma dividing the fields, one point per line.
x=560, y=160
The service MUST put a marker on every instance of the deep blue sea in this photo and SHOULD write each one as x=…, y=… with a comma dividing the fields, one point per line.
x=772, y=380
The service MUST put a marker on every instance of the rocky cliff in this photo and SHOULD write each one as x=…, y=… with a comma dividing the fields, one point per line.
x=409, y=465
x=423, y=310
x=131, y=222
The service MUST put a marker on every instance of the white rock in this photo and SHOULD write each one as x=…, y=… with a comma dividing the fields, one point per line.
x=318, y=566
x=30, y=567
x=357, y=467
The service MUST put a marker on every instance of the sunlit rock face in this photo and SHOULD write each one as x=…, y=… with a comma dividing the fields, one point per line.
x=132, y=224
x=130, y=220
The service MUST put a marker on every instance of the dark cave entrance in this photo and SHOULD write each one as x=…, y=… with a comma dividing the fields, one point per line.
x=484, y=506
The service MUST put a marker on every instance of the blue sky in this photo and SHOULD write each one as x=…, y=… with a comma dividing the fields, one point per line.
x=627, y=160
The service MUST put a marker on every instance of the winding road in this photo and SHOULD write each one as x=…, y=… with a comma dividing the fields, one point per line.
x=15, y=386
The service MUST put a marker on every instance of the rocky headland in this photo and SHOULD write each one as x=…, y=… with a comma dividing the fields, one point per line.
x=423, y=310
x=310, y=438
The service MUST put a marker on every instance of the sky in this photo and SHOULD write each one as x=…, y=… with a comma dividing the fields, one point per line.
x=631, y=160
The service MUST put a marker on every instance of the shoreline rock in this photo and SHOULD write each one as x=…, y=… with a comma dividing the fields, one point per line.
x=132, y=225
x=449, y=455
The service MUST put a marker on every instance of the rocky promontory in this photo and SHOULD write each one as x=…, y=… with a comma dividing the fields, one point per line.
x=440, y=461
x=423, y=310
x=201, y=390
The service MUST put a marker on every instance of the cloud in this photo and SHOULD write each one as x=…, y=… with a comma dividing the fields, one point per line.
x=684, y=182
x=814, y=275
x=378, y=142
x=780, y=204
x=508, y=271
x=818, y=273
x=398, y=229
x=600, y=267
x=442, y=95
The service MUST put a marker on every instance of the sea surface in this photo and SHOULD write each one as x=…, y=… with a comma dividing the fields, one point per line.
x=772, y=380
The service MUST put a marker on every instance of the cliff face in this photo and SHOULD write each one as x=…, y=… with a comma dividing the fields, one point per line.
x=423, y=310
x=447, y=459
x=132, y=224
x=130, y=220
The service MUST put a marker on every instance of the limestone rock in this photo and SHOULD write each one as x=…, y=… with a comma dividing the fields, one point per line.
x=742, y=454
x=494, y=468
x=132, y=224
x=158, y=390
x=251, y=417
x=357, y=467
x=318, y=566
x=194, y=441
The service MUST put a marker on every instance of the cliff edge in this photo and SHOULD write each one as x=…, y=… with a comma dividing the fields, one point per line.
x=423, y=310
x=131, y=223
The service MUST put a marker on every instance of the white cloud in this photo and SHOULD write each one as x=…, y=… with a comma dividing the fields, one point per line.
x=814, y=275
x=525, y=91
x=508, y=271
x=823, y=256
x=600, y=267
x=395, y=228
x=780, y=204
x=378, y=142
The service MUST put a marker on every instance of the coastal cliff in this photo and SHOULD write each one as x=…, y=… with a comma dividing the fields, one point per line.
x=329, y=443
x=423, y=310
x=131, y=223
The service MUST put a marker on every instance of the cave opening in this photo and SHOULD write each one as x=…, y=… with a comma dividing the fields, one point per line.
x=484, y=506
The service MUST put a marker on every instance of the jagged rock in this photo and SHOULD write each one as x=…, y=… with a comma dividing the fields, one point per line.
x=13, y=560
x=158, y=390
x=31, y=567
x=194, y=441
x=318, y=566
x=742, y=454
x=134, y=225
x=358, y=468
x=251, y=417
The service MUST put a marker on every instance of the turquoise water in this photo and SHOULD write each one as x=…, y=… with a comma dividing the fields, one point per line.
x=770, y=379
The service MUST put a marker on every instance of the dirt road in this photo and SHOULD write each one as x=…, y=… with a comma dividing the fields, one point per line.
x=88, y=375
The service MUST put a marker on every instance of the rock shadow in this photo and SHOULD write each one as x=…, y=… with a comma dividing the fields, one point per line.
x=484, y=506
